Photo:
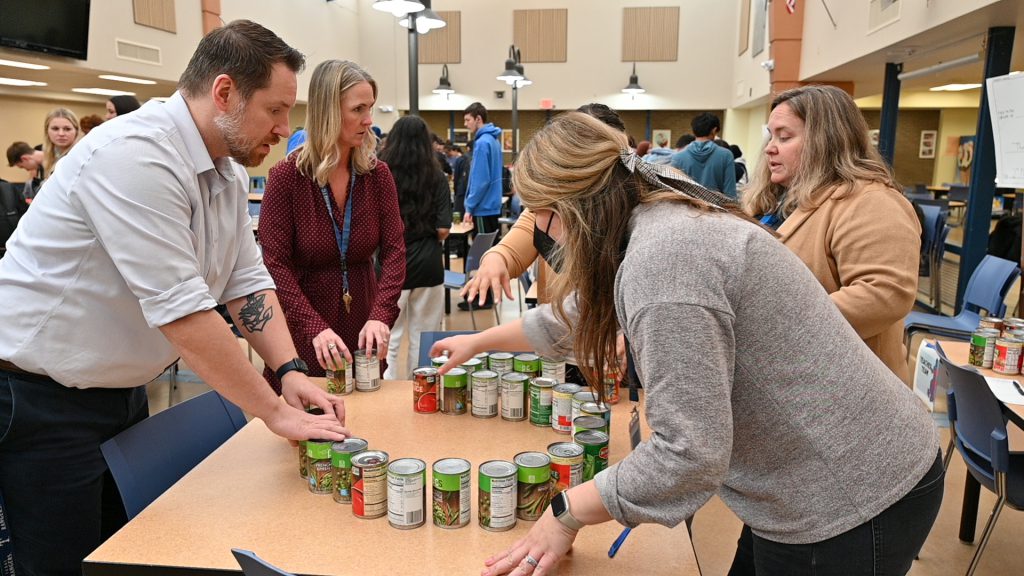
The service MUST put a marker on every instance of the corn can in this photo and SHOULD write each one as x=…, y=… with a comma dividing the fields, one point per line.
x=367, y=371
x=561, y=407
x=370, y=484
x=424, y=389
x=497, y=484
x=528, y=364
x=595, y=452
x=453, y=391
x=341, y=467
x=540, y=401
x=485, y=393
x=514, y=390
x=566, y=465
x=451, y=492
x=534, y=489
x=500, y=362
x=407, y=493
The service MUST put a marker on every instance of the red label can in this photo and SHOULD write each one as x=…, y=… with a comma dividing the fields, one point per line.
x=424, y=390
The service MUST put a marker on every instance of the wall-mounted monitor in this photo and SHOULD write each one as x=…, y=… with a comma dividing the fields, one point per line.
x=58, y=27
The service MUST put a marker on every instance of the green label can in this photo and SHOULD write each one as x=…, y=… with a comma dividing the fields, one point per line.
x=595, y=452
x=483, y=357
x=528, y=364
x=303, y=460
x=578, y=399
x=595, y=409
x=588, y=422
x=552, y=368
x=514, y=390
x=340, y=379
x=341, y=467
x=496, y=503
x=319, y=479
x=500, y=362
x=454, y=391
x=534, y=475
x=485, y=393
x=407, y=493
x=472, y=365
x=561, y=407
x=540, y=401
x=983, y=345
x=451, y=493
x=438, y=361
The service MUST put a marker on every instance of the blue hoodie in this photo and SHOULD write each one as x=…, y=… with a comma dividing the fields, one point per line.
x=483, y=194
x=709, y=164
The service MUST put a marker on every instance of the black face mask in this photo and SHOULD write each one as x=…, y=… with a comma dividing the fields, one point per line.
x=546, y=247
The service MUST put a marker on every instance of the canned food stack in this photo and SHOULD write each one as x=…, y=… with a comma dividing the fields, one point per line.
x=998, y=344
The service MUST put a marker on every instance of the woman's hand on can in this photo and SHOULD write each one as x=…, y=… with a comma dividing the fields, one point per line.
x=457, y=348
x=538, y=553
x=331, y=351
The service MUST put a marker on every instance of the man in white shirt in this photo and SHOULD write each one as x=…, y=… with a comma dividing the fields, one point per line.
x=115, y=273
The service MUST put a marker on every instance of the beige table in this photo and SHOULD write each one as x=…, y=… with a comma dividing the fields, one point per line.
x=957, y=353
x=248, y=494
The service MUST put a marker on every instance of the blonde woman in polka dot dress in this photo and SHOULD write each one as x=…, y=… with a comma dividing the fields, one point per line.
x=303, y=248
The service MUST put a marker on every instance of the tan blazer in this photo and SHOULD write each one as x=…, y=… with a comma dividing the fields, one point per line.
x=863, y=244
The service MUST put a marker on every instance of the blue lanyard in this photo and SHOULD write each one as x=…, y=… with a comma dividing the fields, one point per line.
x=342, y=236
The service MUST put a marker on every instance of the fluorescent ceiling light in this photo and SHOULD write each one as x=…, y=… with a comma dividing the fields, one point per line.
x=17, y=82
x=126, y=79
x=954, y=87
x=25, y=65
x=102, y=92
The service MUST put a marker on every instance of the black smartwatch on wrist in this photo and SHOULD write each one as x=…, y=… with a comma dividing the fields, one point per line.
x=560, y=510
x=295, y=364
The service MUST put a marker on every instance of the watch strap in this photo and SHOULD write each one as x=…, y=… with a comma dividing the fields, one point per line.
x=295, y=364
x=566, y=517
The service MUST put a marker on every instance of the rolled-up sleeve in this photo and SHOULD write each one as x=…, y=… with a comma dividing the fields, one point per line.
x=139, y=210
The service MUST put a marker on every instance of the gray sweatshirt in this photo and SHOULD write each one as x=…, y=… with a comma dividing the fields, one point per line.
x=756, y=387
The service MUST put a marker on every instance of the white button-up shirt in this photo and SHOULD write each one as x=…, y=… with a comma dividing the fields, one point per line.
x=136, y=228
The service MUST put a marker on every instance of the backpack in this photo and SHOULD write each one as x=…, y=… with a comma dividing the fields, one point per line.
x=1005, y=239
x=506, y=181
x=11, y=209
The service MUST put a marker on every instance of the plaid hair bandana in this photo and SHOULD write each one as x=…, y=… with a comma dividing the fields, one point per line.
x=663, y=176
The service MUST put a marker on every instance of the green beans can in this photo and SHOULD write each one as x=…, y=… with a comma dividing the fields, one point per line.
x=407, y=493
x=340, y=379
x=472, y=365
x=534, y=488
x=500, y=362
x=497, y=485
x=552, y=368
x=303, y=460
x=483, y=357
x=514, y=389
x=451, y=493
x=561, y=407
x=320, y=480
x=454, y=391
x=438, y=361
x=528, y=364
x=485, y=393
x=540, y=401
x=588, y=422
x=341, y=467
x=578, y=399
x=595, y=452
x=595, y=409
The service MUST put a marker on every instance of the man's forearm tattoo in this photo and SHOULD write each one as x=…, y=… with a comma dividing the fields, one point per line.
x=254, y=313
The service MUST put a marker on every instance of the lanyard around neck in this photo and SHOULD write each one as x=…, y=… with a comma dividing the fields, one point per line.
x=342, y=236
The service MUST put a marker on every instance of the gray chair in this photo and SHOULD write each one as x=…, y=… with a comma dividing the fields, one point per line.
x=253, y=565
x=456, y=280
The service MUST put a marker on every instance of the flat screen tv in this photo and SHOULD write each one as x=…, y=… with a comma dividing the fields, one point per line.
x=58, y=27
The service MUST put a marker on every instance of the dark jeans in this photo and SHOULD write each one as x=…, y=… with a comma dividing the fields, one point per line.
x=60, y=500
x=886, y=545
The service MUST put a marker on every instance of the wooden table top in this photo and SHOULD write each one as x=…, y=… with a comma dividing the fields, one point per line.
x=255, y=197
x=248, y=494
x=460, y=228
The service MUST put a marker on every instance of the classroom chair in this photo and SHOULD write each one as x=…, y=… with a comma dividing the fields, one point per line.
x=456, y=280
x=152, y=455
x=253, y=565
x=977, y=424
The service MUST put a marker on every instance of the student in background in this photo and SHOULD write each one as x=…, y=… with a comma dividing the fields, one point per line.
x=60, y=132
x=837, y=206
x=120, y=105
x=89, y=122
x=425, y=201
x=30, y=160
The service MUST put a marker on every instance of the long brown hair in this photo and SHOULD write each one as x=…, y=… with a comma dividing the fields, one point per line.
x=573, y=168
x=837, y=151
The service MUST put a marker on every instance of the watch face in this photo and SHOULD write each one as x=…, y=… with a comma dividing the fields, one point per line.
x=558, y=506
x=301, y=366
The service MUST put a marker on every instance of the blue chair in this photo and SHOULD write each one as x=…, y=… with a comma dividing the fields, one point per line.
x=149, y=457
x=986, y=290
x=978, y=426
x=941, y=203
x=936, y=255
x=524, y=288
x=253, y=565
x=427, y=339
x=456, y=280
x=932, y=224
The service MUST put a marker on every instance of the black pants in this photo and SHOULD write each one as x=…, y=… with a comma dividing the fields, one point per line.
x=886, y=545
x=60, y=500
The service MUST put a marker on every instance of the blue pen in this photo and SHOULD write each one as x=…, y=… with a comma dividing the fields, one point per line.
x=618, y=542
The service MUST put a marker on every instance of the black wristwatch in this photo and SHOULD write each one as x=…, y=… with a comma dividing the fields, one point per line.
x=560, y=510
x=294, y=364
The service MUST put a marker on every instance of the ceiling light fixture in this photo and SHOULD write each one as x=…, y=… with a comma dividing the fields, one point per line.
x=19, y=82
x=954, y=87
x=398, y=7
x=102, y=92
x=634, y=87
x=956, y=62
x=127, y=79
x=25, y=65
x=444, y=86
x=426, y=20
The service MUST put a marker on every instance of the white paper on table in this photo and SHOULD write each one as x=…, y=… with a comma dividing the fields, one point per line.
x=1005, y=390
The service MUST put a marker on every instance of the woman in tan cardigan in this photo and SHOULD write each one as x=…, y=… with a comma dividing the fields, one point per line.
x=835, y=204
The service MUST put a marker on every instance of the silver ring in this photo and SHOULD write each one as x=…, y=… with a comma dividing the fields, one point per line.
x=331, y=346
x=531, y=561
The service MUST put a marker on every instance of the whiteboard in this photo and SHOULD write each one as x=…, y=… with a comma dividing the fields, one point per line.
x=1006, y=103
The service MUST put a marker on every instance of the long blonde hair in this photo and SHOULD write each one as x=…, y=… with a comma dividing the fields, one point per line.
x=573, y=167
x=49, y=150
x=320, y=154
x=837, y=151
